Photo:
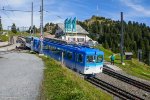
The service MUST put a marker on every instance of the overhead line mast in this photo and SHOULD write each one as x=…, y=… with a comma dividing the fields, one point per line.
x=41, y=26
x=31, y=19
x=122, y=39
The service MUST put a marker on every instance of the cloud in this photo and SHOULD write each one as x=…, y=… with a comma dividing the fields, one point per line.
x=24, y=19
x=136, y=6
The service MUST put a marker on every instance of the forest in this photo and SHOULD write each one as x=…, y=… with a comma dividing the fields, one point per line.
x=108, y=33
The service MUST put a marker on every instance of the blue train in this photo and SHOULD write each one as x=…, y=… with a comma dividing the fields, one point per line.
x=83, y=59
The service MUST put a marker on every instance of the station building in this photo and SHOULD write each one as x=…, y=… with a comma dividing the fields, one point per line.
x=79, y=36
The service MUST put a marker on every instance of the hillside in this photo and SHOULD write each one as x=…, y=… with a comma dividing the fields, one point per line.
x=132, y=67
x=107, y=32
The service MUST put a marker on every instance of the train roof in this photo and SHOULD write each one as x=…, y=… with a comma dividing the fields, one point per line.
x=36, y=38
x=71, y=47
x=76, y=48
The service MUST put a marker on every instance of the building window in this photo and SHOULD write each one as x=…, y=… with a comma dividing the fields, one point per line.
x=71, y=39
x=80, y=39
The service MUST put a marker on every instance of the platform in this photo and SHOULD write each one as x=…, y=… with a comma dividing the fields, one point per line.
x=3, y=44
x=8, y=48
x=113, y=67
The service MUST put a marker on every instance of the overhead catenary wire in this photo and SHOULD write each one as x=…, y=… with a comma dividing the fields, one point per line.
x=9, y=6
x=13, y=10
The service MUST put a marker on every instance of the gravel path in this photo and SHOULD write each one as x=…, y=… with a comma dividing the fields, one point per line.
x=124, y=86
x=20, y=76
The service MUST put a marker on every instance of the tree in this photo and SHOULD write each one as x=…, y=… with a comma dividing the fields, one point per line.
x=1, y=28
x=46, y=27
x=18, y=29
x=13, y=28
x=106, y=45
x=136, y=35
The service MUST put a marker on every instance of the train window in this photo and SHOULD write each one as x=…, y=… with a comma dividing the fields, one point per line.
x=65, y=54
x=46, y=47
x=57, y=51
x=99, y=58
x=80, y=58
x=90, y=59
x=28, y=40
x=69, y=55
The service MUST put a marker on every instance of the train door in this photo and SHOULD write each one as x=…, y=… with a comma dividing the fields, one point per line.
x=75, y=60
x=90, y=64
x=80, y=62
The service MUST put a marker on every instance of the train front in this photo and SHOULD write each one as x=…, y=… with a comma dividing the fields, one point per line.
x=94, y=61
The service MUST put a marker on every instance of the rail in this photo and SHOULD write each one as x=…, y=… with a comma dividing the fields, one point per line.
x=112, y=89
x=128, y=80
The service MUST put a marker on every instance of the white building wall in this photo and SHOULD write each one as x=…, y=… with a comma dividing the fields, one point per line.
x=75, y=38
x=59, y=30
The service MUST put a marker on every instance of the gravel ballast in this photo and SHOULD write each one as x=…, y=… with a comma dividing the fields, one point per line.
x=20, y=76
x=125, y=86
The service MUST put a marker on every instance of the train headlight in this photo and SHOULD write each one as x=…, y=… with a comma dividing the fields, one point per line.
x=101, y=68
x=86, y=68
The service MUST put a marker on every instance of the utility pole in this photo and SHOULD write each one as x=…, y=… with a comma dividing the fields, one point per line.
x=31, y=19
x=41, y=27
x=149, y=59
x=0, y=25
x=122, y=39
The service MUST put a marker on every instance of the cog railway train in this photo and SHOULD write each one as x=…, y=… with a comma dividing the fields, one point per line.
x=84, y=60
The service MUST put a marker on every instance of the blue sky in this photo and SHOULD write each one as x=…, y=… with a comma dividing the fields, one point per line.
x=134, y=10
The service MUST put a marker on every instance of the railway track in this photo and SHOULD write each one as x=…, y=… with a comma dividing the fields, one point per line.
x=113, y=89
x=126, y=79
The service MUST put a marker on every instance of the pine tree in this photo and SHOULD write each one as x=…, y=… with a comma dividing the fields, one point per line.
x=13, y=28
x=136, y=35
x=1, y=28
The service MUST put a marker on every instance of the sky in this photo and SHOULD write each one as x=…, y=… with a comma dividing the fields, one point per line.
x=57, y=11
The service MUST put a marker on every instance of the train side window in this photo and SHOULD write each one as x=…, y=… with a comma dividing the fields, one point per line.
x=90, y=59
x=34, y=43
x=80, y=58
x=49, y=47
x=69, y=55
x=46, y=47
x=99, y=58
x=65, y=54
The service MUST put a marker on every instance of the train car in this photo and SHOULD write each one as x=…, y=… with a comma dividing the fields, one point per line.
x=28, y=41
x=84, y=60
x=36, y=44
x=33, y=43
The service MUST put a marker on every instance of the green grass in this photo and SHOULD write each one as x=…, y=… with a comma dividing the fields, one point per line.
x=4, y=38
x=60, y=83
x=10, y=34
x=132, y=67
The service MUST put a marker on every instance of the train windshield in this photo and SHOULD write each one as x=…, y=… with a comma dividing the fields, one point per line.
x=90, y=59
x=28, y=40
x=99, y=59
